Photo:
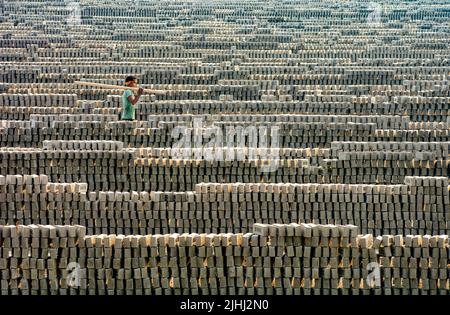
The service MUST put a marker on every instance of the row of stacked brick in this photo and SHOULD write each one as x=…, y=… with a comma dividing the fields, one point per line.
x=418, y=109
x=379, y=121
x=425, y=104
x=385, y=162
x=281, y=83
x=420, y=206
x=91, y=95
x=387, y=99
x=106, y=165
x=434, y=109
x=38, y=100
x=291, y=259
x=242, y=70
x=31, y=133
x=240, y=67
x=21, y=106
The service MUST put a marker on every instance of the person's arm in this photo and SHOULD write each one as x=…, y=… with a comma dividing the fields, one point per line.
x=133, y=100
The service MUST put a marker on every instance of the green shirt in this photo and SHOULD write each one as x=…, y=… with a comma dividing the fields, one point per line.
x=128, y=110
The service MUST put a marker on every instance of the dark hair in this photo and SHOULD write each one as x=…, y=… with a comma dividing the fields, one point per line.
x=130, y=78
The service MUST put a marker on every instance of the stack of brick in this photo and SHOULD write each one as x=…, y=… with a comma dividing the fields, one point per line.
x=434, y=109
x=31, y=199
x=101, y=168
x=24, y=113
x=382, y=167
x=37, y=100
x=420, y=207
x=34, y=259
x=72, y=118
x=416, y=135
x=290, y=259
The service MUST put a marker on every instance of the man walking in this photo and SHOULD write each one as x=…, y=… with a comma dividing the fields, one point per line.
x=129, y=99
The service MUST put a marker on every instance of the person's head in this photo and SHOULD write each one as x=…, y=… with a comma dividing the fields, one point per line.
x=131, y=81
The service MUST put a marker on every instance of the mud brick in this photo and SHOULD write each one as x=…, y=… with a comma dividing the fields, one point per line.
x=366, y=241
x=261, y=229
